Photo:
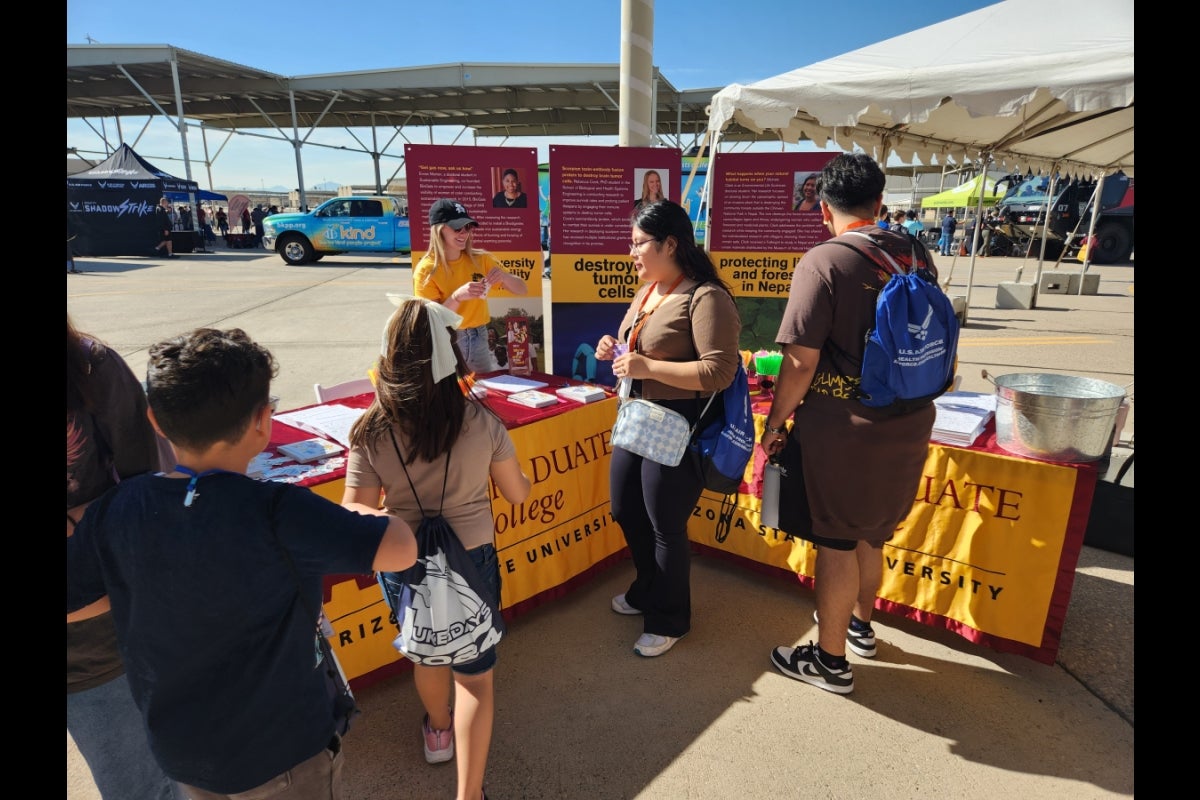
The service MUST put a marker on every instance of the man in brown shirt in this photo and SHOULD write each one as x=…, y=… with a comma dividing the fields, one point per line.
x=861, y=465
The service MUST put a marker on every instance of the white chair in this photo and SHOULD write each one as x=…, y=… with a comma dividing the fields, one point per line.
x=339, y=390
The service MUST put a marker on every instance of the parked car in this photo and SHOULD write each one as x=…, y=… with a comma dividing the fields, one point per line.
x=353, y=224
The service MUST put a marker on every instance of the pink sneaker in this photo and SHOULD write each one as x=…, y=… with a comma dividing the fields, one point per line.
x=439, y=745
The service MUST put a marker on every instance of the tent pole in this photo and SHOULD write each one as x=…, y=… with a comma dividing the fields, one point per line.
x=986, y=159
x=1096, y=201
x=687, y=187
x=1037, y=280
x=706, y=190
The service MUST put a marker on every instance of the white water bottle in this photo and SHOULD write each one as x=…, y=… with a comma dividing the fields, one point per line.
x=769, y=510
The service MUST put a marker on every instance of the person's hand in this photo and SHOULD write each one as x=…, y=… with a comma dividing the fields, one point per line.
x=495, y=277
x=631, y=365
x=472, y=290
x=772, y=443
x=606, y=348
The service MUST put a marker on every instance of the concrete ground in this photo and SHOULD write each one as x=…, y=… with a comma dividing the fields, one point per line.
x=581, y=716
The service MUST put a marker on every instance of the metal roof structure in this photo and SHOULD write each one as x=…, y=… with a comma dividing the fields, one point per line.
x=490, y=99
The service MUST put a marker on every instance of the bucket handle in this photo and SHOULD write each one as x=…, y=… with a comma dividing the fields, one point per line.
x=987, y=377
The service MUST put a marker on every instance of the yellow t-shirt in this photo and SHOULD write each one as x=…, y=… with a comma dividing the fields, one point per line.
x=435, y=284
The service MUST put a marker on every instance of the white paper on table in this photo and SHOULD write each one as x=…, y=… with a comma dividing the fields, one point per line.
x=333, y=421
x=962, y=417
x=980, y=400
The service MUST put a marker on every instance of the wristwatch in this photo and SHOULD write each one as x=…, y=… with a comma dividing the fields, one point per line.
x=781, y=431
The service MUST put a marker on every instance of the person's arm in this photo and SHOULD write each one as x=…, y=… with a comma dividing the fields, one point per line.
x=498, y=277
x=101, y=606
x=365, y=499
x=513, y=483
x=398, y=548
x=795, y=375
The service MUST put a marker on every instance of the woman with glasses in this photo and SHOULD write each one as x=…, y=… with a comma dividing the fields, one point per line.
x=458, y=275
x=677, y=345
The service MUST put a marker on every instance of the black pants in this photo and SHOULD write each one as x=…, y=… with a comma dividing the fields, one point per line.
x=653, y=503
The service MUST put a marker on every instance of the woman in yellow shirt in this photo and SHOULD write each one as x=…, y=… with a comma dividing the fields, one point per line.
x=458, y=275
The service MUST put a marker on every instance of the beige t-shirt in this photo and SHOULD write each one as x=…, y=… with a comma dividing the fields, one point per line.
x=467, y=505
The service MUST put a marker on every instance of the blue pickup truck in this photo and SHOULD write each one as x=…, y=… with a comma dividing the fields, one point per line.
x=354, y=224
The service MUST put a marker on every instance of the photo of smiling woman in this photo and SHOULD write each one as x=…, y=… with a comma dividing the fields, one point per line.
x=652, y=189
x=510, y=196
x=678, y=344
x=804, y=195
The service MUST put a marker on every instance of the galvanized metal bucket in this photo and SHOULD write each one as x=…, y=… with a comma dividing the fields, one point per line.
x=1056, y=417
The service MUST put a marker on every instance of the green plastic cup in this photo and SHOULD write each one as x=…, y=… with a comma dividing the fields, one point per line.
x=768, y=364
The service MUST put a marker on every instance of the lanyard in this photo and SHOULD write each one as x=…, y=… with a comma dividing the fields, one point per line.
x=643, y=317
x=192, y=494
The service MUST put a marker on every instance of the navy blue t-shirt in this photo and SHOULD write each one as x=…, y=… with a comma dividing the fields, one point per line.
x=220, y=653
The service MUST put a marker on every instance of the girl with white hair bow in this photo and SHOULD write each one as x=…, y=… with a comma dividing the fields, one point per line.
x=423, y=413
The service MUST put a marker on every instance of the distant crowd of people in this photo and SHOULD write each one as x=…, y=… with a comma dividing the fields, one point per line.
x=909, y=221
x=179, y=218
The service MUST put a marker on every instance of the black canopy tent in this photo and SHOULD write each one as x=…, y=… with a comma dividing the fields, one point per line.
x=110, y=208
x=201, y=196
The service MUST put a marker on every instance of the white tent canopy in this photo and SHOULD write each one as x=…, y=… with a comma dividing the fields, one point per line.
x=1038, y=85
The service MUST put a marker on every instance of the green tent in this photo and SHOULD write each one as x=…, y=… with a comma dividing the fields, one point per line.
x=964, y=196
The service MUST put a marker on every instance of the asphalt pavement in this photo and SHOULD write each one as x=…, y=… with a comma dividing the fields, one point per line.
x=580, y=716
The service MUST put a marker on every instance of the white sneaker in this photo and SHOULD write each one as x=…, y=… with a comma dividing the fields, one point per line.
x=621, y=607
x=651, y=644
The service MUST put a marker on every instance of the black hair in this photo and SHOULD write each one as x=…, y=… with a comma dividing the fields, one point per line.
x=665, y=218
x=206, y=386
x=852, y=183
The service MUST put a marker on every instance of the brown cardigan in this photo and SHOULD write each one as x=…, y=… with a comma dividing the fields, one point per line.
x=711, y=332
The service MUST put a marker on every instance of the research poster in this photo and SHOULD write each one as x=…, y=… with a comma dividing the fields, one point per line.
x=758, y=229
x=593, y=191
x=499, y=187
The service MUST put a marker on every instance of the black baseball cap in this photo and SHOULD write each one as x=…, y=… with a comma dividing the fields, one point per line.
x=452, y=213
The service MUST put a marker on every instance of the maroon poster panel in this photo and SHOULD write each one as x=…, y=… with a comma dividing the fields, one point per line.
x=594, y=191
x=498, y=187
x=762, y=219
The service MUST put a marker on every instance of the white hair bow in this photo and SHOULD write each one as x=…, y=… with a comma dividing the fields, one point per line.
x=443, y=362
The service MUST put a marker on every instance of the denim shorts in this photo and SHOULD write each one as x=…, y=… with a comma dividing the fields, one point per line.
x=473, y=343
x=487, y=563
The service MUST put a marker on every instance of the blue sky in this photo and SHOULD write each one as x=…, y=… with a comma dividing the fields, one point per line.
x=697, y=44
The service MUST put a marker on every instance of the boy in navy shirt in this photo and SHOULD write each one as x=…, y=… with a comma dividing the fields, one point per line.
x=216, y=631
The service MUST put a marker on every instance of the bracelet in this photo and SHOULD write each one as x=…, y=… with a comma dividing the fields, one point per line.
x=780, y=431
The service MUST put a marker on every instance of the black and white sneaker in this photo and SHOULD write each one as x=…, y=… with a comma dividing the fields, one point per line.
x=803, y=664
x=860, y=642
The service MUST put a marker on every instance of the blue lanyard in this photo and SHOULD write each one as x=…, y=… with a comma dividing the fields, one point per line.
x=191, y=495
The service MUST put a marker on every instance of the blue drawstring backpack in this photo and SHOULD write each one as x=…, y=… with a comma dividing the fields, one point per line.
x=724, y=447
x=912, y=350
